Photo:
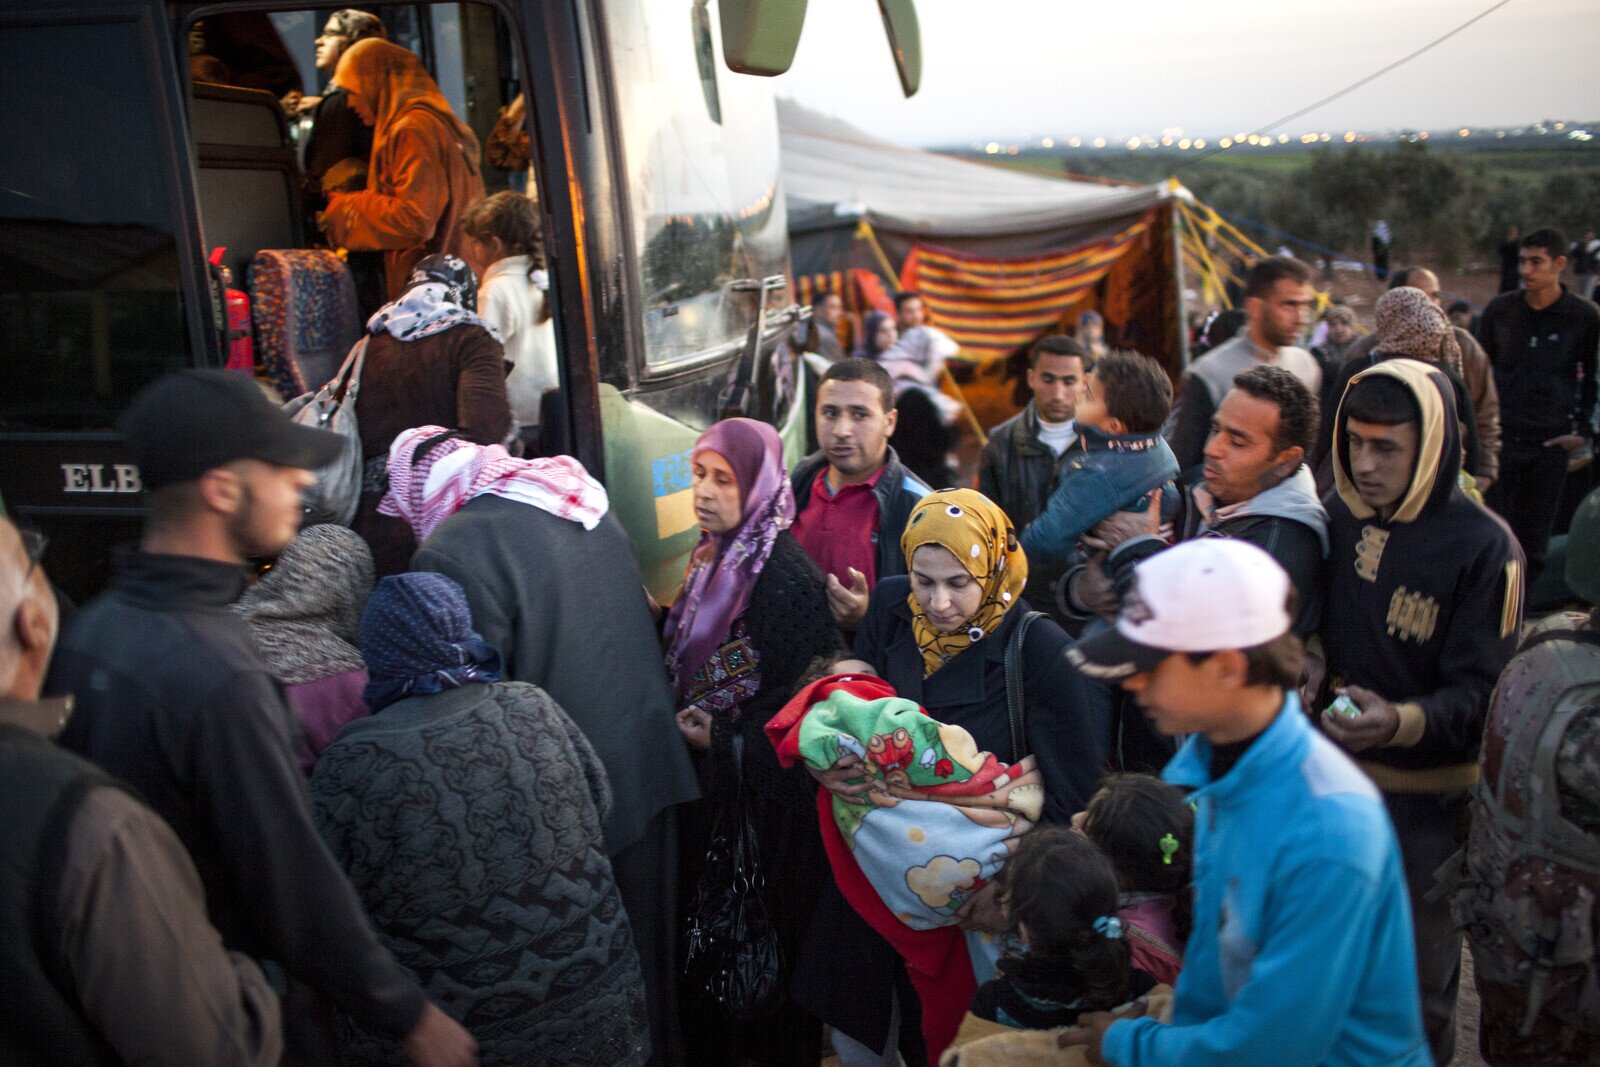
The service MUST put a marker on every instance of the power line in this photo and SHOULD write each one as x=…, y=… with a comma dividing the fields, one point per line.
x=1347, y=90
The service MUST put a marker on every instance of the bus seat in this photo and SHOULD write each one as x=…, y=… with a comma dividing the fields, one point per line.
x=248, y=177
x=303, y=306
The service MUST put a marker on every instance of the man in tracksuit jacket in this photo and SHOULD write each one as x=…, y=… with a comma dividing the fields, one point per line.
x=852, y=496
x=1423, y=604
x=1301, y=948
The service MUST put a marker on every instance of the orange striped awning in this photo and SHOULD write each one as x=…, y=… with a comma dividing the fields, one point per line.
x=992, y=307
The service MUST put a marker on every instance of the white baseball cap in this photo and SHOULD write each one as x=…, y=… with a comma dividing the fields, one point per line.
x=1205, y=595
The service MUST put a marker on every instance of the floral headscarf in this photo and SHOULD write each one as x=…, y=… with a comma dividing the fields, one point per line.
x=724, y=567
x=974, y=530
x=1409, y=324
x=355, y=25
x=441, y=292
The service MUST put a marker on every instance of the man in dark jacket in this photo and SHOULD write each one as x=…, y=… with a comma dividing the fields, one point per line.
x=150, y=982
x=1542, y=341
x=1424, y=598
x=173, y=698
x=852, y=497
x=1253, y=486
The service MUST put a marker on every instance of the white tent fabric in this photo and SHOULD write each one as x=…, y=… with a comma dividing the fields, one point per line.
x=834, y=173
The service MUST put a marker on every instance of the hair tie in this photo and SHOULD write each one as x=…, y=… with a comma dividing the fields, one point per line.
x=1169, y=848
x=1110, y=926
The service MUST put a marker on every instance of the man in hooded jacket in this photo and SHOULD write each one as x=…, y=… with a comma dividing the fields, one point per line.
x=1424, y=598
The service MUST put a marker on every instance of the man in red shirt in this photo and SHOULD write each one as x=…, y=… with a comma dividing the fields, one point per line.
x=852, y=496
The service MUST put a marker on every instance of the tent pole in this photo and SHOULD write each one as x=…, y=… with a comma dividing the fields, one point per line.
x=1175, y=236
x=864, y=232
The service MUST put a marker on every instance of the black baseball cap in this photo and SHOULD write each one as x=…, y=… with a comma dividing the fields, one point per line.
x=193, y=421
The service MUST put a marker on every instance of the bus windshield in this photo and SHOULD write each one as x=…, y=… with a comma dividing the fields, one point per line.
x=701, y=153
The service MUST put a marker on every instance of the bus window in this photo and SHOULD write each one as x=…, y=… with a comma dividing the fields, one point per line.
x=90, y=299
x=702, y=178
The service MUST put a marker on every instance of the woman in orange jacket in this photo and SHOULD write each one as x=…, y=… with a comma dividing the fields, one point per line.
x=424, y=171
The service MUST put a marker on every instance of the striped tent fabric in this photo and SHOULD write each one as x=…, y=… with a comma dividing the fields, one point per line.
x=992, y=307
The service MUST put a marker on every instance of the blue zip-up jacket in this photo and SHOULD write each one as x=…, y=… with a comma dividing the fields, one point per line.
x=1105, y=472
x=1301, y=952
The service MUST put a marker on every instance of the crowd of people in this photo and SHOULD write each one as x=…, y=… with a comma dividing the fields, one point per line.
x=1203, y=730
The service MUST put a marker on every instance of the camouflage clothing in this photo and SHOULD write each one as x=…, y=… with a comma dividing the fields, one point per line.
x=1533, y=857
x=1578, y=772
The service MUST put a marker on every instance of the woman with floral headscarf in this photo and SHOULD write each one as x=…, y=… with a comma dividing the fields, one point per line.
x=430, y=361
x=752, y=616
x=425, y=162
x=939, y=635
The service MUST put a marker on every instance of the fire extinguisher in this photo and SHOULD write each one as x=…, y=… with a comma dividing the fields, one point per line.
x=241, y=346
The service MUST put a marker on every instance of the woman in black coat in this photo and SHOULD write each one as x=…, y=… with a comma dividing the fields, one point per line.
x=939, y=635
x=752, y=616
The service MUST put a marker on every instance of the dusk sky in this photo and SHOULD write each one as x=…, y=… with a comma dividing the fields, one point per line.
x=1026, y=69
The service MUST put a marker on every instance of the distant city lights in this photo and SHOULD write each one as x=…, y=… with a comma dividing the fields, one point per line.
x=1174, y=138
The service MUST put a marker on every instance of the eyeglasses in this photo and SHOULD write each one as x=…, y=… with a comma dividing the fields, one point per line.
x=34, y=542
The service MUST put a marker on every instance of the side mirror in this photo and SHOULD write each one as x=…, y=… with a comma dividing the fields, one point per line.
x=760, y=36
x=905, y=41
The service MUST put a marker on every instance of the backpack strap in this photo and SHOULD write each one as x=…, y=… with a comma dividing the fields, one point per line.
x=1016, y=708
x=1580, y=637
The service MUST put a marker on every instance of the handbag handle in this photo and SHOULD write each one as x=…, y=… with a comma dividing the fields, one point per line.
x=1016, y=709
x=346, y=383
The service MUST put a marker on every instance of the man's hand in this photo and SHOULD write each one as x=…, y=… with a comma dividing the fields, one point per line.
x=1123, y=526
x=1373, y=728
x=848, y=604
x=1091, y=1031
x=1568, y=441
x=982, y=911
x=694, y=723
x=439, y=1041
x=1093, y=589
x=836, y=779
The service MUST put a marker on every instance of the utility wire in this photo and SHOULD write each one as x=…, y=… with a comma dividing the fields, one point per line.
x=1347, y=90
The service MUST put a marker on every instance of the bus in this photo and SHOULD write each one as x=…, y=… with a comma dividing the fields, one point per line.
x=138, y=136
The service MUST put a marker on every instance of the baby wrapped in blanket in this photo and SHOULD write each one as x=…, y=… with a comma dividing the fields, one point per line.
x=942, y=816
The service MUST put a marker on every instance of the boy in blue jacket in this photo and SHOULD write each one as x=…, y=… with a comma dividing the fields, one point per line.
x=1301, y=951
x=1118, y=459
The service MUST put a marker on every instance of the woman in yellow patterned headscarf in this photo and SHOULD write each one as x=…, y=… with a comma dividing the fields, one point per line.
x=972, y=529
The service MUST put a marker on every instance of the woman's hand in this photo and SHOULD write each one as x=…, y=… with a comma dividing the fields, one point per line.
x=694, y=723
x=982, y=912
x=836, y=779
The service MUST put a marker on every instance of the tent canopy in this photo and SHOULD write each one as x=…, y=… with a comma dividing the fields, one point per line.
x=834, y=174
x=1000, y=256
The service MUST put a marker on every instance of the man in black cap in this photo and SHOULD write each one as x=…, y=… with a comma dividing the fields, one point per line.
x=173, y=698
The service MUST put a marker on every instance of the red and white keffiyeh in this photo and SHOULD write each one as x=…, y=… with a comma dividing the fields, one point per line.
x=454, y=471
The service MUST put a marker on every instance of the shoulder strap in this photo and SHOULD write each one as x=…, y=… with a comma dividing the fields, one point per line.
x=1581, y=637
x=1015, y=707
x=352, y=375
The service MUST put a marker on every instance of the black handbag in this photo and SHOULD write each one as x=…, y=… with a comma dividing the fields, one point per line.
x=733, y=954
x=1016, y=707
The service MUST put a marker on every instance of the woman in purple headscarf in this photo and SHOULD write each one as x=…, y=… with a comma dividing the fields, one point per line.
x=752, y=616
